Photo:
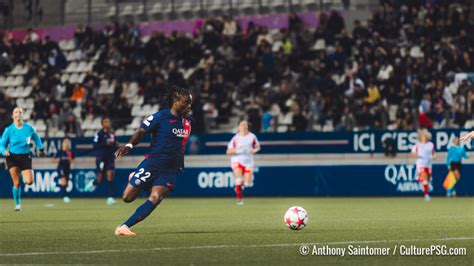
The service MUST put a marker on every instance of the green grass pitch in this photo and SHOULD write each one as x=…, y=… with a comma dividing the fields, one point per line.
x=215, y=231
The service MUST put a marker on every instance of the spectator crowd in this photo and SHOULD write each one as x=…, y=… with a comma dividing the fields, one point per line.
x=395, y=70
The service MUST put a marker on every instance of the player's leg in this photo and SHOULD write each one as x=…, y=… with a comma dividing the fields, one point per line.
x=130, y=193
x=16, y=189
x=248, y=177
x=425, y=179
x=110, y=185
x=157, y=194
x=457, y=175
x=100, y=164
x=238, y=180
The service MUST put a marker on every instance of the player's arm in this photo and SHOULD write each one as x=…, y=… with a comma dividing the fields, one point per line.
x=467, y=136
x=39, y=143
x=4, y=143
x=256, y=146
x=231, y=147
x=150, y=124
x=414, y=152
x=134, y=140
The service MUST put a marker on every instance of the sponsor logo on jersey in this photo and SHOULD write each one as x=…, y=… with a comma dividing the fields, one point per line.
x=180, y=132
x=173, y=121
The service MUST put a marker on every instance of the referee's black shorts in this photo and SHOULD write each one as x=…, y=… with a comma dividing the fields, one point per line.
x=455, y=166
x=21, y=161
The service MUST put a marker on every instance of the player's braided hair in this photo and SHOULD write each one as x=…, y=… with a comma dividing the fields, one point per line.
x=174, y=94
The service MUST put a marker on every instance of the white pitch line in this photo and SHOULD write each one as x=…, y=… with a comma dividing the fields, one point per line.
x=228, y=246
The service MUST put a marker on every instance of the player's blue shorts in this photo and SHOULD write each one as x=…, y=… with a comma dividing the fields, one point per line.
x=105, y=163
x=64, y=172
x=149, y=174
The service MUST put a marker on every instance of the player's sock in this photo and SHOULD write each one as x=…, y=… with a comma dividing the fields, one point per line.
x=425, y=187
x=141, y=213
x=15, y=195
x=110, y=189
x=63, y=191
x=238, y=192
x=16, y=191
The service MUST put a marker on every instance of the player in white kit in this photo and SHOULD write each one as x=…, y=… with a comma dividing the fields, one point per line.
x=425, y=152
x=242, y=147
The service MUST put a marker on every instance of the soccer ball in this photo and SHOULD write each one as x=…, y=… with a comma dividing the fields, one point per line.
x=296, y=218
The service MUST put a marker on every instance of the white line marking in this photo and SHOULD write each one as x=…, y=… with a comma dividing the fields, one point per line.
x=228, y=246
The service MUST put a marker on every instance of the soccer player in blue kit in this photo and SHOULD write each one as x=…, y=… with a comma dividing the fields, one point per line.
x=64, y=158
x=15, y=146
x=170, y=130
x=104, y=145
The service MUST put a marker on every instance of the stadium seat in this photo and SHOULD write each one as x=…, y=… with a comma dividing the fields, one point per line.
x=60, y=134
x=74, y=78
x=126, y=11
x=87, y=123
x=246, y=7
x=136, y=122
x=139, y=10
x=2, y=81
x=27, y=91
x=120, y=132
x=129, y=132
x=112, y=12
x=89, y=67
x=63, y=44
x=72, y=67
x=64, y=78
x=40, y=125
x=310, y=4
x=9, y=81
x=469, y=124
x=96, y=124
x=279, y=6
x=16, y=70
x=29, y=103
x=14, y=92
x=10, y=91
x=81, y=67
x=161, y=9
x=23, y=70
x=187, y=8
x=27, y=114
x=89, y=133
x=18, y=81
x=81, y=77
x=136, y=110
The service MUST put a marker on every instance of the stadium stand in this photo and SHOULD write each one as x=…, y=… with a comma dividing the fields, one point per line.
x=384, y=74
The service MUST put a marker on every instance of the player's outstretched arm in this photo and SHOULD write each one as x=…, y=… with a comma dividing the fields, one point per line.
x=467, y=136
x=134, y=140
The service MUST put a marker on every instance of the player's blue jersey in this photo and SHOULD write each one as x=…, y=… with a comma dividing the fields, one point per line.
x=18, y=140
x=169, y=135
x=63, y=157
x=105, y=144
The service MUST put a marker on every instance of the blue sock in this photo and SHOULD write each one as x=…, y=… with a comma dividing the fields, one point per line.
x=16, y=195
x=141, y=213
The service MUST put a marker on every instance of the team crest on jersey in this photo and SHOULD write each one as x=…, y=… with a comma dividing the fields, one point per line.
x=180, y=132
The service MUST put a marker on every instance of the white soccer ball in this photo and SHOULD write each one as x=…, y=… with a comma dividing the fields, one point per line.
x=296, y=218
